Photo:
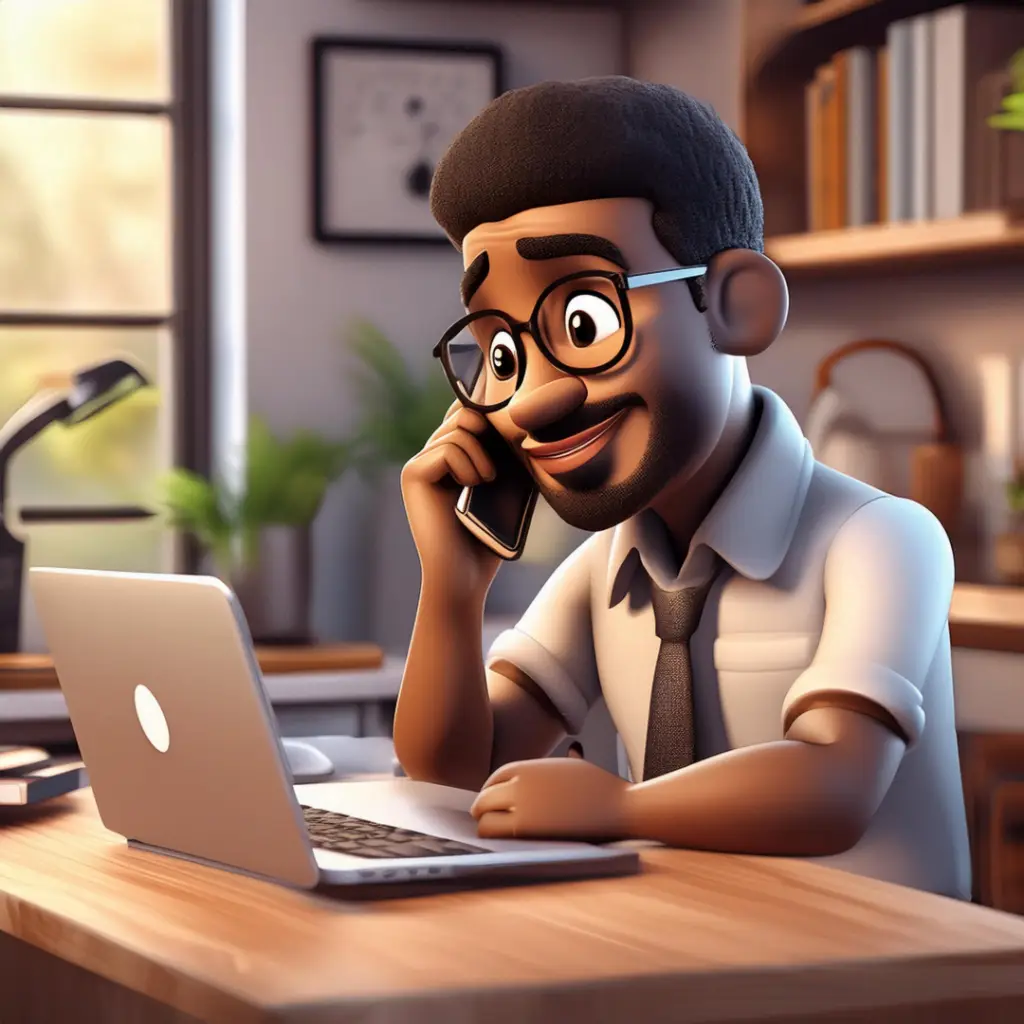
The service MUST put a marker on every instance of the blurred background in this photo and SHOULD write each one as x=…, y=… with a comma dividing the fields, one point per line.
x=202, y=188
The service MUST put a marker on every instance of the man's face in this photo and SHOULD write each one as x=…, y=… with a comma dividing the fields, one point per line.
x=602, y=447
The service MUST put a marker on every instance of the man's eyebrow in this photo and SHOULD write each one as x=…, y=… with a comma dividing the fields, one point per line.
x=553, y=247
x=474, y=276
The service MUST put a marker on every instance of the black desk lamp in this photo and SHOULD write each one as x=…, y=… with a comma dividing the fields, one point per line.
x=93, y=389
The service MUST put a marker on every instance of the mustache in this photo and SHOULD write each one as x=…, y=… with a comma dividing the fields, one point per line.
x=586, y=416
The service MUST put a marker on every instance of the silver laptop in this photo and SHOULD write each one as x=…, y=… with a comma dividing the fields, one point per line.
x=179, y=739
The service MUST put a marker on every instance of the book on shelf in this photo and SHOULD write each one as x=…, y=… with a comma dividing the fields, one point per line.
x=880, y=131
x=921, y=127
x=901, y=132
x=860, y=137
x=899, y=101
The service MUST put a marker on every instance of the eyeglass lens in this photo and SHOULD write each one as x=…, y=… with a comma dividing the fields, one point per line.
x=582, y=326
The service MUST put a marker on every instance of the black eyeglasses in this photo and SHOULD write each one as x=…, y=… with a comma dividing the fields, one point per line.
x=582, y=323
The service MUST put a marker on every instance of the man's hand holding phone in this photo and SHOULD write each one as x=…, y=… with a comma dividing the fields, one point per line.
x=453, y=458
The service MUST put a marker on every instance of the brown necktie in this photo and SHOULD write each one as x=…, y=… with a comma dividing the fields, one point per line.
x=670, y=725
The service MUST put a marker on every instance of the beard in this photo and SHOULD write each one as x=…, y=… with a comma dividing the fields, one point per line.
x=585, y=500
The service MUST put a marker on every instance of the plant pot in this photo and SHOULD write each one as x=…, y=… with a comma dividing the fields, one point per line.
x=275, y=590
x=1008, y=556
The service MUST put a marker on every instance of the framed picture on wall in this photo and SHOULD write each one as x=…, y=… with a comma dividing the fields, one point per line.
x=384, y=112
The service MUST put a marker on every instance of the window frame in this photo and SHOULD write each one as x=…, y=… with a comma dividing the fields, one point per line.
x=187, y=111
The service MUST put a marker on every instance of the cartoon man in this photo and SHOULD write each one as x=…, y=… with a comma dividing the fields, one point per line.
x=770, y=636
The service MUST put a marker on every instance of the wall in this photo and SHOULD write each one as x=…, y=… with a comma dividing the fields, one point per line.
x=694, y=45
x=299, y=295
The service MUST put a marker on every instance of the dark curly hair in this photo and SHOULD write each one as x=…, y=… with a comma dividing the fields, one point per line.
x=603, y=138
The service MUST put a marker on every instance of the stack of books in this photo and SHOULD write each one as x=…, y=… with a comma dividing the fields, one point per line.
x=29, y=775
x=901, y=132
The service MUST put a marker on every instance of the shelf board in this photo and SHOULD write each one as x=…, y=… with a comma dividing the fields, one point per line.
x=817, y=31
x=813, y=15
x=974, y=236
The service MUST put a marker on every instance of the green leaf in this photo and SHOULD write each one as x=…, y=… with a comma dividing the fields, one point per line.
x=1017, y=71
x=399, y=410
x=1013, y=122
x=195, y=505
x=1015, y=494
x=264, y=473
x=301, y=498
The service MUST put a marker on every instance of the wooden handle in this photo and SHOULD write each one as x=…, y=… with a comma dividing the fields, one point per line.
x=823, y=374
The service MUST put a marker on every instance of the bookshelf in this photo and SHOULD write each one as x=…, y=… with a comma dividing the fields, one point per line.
x=785, y=42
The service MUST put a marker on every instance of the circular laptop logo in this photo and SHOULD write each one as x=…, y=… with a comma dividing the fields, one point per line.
x=151, y=718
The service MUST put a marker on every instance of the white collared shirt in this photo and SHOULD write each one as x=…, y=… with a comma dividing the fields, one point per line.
x=826, y=585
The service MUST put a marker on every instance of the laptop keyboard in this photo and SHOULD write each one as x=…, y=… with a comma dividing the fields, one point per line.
x=341, y=833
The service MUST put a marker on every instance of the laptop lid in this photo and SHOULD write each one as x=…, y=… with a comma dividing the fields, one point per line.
x=167, y=703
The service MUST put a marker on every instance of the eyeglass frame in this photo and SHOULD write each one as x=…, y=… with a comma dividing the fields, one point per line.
x=624, y=283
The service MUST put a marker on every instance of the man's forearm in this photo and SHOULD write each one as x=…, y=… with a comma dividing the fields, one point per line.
x=443, y=722
x=789, y=797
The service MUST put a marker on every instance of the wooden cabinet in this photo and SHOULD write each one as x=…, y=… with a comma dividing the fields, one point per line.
x=992, y=766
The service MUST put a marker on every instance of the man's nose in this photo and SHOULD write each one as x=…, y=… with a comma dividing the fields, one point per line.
x=534, y=408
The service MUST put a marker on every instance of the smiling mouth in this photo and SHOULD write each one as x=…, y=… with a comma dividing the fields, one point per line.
x=575, y=444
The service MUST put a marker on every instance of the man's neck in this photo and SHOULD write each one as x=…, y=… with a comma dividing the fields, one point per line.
x=685, y=503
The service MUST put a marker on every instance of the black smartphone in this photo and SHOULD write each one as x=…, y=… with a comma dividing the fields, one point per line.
x=498, y=512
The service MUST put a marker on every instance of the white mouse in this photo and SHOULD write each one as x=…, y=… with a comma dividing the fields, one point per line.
x=307, y=764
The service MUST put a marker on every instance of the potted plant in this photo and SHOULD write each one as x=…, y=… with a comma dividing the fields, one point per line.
x=398, y=410
x=258, y=539
x=1009, y=137
x=1009, y=547
x=1011, y=117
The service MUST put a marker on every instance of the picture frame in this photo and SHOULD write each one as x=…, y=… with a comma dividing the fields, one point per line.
x=383, y=113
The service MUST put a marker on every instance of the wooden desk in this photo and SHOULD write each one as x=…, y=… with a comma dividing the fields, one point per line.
x=112, y=934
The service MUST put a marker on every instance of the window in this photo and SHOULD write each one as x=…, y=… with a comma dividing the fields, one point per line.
x=104, y=252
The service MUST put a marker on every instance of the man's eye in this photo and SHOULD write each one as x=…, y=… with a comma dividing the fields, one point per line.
x=590, y=318
x=502, y=356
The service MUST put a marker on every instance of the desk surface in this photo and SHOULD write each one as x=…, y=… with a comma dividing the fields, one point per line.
x=696, y=937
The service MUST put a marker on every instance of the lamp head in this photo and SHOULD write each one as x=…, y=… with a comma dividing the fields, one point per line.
x=97, y=387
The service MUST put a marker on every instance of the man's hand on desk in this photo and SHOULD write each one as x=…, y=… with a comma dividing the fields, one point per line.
x=555, y=798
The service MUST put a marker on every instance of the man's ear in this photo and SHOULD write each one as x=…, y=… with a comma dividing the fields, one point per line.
x=747, y=302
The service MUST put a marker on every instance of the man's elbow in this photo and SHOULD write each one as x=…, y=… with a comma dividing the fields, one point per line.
x=840, y=826
x=424, y=766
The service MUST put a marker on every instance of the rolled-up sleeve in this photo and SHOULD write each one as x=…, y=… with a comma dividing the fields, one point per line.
x=888, y=587
x=553, y=642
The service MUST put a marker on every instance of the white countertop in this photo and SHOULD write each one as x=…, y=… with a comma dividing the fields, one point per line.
x=363, y=686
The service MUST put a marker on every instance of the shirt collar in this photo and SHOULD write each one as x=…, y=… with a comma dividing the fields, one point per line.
x=750, y=527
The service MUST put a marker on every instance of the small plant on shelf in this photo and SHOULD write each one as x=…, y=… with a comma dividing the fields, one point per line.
x=1015, y=495
x=285, y=485
x=1011, y=117
x=1009, y=545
